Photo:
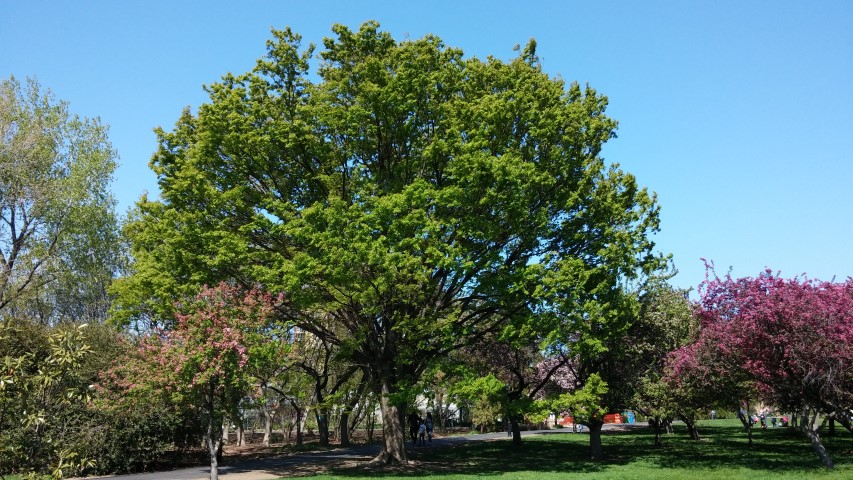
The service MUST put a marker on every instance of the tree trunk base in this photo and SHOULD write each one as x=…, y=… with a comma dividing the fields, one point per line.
x=817, y=446
x=596, y=452
x=385, y=459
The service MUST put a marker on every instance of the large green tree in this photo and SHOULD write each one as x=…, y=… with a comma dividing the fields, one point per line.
x=58, y=229
x=405, y=198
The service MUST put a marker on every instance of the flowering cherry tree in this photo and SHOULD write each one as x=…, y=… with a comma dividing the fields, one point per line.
x=792, y=337
x=202, y=362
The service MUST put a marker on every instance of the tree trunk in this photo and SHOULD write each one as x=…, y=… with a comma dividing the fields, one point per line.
x=349, y=408
x=808, y=427
x=322, y=417
x=344, y=426
x=595, y=439
x=268, y=420
x=691, y=428
x=213, y=436
x=846, y=420
x=746, y=420
x=371, y=422
x=241, y=433
x=516, y=431
x=393, y=441
x=804, y=420
x=298, y=423
x=657, y=425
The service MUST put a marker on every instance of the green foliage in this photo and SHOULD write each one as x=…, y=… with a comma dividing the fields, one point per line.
x=56, y=414
x=406, y=199
x=43, y=398
x=586, y=403
x=486, y=396
x=665, y=323
x=58, y=231
x=488, y=388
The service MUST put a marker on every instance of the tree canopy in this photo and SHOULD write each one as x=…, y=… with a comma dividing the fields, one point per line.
x=58, y=229
x=792, y=338
x=404, y=198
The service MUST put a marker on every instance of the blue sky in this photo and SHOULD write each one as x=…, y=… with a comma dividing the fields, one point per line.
x=738, y=114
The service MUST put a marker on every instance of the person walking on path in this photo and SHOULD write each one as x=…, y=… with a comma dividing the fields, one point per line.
x=428, y=425
x=414, y=423
x=422, y=433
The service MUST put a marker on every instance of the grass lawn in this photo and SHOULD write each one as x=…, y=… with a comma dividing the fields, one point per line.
x=721, y=454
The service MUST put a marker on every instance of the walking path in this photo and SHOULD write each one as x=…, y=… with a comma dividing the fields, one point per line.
x=288, y=465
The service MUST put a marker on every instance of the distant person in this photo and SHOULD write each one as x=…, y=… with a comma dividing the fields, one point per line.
x=414, y=422
x=422, y=433
x=784, y=420
x=713, y=414
x=428, y=425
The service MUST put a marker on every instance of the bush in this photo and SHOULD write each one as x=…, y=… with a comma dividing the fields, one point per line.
x=44, y=394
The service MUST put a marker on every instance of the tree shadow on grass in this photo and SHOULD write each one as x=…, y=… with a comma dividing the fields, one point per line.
x=727, y=446
x=722, y=447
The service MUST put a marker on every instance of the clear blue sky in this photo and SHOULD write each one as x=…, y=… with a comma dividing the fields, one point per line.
x=738, y=114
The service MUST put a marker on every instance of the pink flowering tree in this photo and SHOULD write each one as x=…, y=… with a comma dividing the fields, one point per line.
x=792, y=337
x=698, y=377
x=202, y=363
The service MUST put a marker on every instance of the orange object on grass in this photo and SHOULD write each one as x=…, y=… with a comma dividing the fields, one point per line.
x=613, y=418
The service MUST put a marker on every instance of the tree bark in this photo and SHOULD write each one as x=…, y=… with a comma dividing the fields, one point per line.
x=808, y=425
x=691, y=428
x=657, y=425
x=322, y=417
x=845, y=419
x=595, y=439
x=213, y=436
x=817, y=445
x=516, y=431
x=394, y=441
x=344, y=426
x=268, y=420
x=746, y=420
x=345, y=414
x=298, y=423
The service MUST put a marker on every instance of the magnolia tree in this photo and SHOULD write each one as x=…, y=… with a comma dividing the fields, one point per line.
x=43, y=394
x=792, y=337
x=202, y=362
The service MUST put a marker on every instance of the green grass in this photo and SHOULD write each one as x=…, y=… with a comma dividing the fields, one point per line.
x=723, y=453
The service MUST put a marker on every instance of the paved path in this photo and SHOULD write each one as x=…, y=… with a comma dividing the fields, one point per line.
x=275, y=467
